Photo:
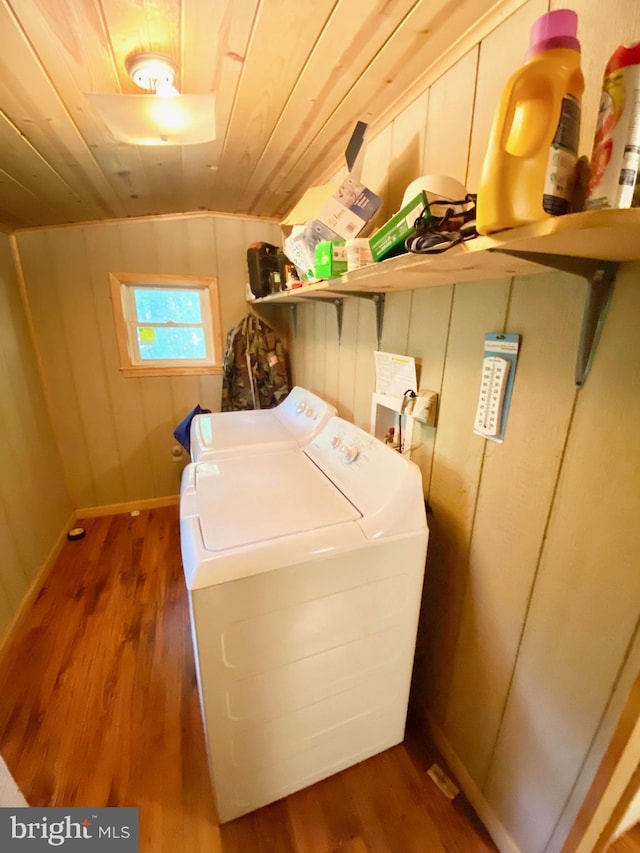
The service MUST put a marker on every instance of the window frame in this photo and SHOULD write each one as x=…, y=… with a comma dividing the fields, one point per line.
x=122, y=283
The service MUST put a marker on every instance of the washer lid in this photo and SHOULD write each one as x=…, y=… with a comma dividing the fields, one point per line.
x=233, y=431
x=244, y=500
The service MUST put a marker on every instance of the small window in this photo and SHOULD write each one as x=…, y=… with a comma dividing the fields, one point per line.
x=166, y=325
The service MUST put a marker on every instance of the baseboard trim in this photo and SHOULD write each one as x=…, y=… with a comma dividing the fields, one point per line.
x=472, y=792
x=129, y=506
x=36, y=584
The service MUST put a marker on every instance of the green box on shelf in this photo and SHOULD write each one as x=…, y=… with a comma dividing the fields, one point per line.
x=389, y=239
x=330, y=259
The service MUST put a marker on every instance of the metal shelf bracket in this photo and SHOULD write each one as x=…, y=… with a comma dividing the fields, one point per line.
x=339, y=303
x=601, y=278
x=378, y=301
x=339, y=306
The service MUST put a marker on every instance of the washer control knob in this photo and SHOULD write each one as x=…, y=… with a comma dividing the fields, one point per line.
x=350, y=454
x=336, y=441
x=300, y=408
x=310, y=413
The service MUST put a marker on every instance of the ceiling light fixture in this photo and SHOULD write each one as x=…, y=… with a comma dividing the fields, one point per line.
x=163, y=118
x=149, y=70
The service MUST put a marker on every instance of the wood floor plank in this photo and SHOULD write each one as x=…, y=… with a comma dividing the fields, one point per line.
x=99, y=706
x=627, y=843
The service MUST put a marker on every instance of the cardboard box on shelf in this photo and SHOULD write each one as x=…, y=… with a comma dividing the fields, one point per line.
x=333, y=211
x=330, y=259
x=389, y=239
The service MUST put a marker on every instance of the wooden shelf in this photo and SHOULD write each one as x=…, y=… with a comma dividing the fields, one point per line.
x=606, y=235
x=590, y=244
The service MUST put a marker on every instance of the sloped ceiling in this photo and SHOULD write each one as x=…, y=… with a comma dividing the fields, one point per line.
x=291, y=79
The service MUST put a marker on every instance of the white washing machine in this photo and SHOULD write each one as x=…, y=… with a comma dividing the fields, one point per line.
x=292, y=423
x=304, y=570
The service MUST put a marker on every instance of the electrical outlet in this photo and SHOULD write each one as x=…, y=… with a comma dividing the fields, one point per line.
x=424, y=407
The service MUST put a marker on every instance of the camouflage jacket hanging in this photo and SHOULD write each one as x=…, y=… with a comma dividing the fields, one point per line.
x=255, y=373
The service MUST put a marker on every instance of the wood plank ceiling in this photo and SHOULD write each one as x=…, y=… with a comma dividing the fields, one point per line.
x=291, y=78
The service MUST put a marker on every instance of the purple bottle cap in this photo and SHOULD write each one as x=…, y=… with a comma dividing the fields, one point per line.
x=553, y=30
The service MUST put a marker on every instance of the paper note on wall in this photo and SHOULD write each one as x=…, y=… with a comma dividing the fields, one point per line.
x=147, y=335
x=395, y=373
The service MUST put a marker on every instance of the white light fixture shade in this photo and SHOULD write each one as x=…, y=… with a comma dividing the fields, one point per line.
x=157, y=120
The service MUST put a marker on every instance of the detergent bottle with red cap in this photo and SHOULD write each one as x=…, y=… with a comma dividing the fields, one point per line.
x=529, y=168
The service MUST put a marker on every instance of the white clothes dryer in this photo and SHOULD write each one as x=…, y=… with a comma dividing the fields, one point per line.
x=292, y=423
x=304, y=572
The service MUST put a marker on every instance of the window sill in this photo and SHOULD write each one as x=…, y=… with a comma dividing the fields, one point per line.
x=145, y=372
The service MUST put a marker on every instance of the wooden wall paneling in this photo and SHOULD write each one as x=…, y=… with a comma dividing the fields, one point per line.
x=33, y=503
x=425, y=33
x=46, y=309
x=320, y=347
x=102, y=479
x=598, y=40
x=231, y=241
x=296, y=347
x=160, y=421
x=449, y=119
x=28, y=416
x=23, y=494
x=593, y=796
x=18, y=486
x=355, y=31
x=14, y=578
x=104, y=248
x=516, y=490
x=365, y=371
x=586, y=602
x=458, y=455
x=427, y=343
x=501, y=53
x=284, y=33
x=6, y=609
x=407, y=150
x=397, y=312
x=210, y=391
x=9, y=221
x=28, y=91
x=332, y=355
x=141, y=253
x=306, y=332
x=134, y=251
x=347, y=358
x=305, y=326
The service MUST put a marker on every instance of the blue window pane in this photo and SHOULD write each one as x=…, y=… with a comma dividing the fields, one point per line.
x=164, y=306
x=161, y=343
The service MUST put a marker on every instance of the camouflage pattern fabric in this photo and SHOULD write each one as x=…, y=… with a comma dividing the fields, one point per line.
x=255, y=374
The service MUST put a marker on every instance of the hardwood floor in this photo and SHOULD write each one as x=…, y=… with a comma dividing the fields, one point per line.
x=99, y=707
x=627, y=843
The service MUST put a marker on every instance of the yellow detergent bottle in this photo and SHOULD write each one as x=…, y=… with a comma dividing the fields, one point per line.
x=529, y=167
